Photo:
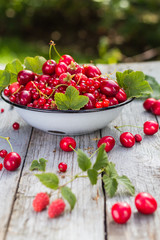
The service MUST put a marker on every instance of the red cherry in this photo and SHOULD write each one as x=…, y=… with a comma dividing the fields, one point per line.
x=16, y=126
x=155, y=107
x=25, y=97
x=1, y=166
x=145, y=203
x=14, y=87
x=44, y=79
x=12, y=161
x=3, y=153
x=109, y=87
x=138, y=137
x=92, y=101
x=60, y=68
x=67, y=59
x=48, y=67
x=12, y=98
x=148, y=103
x=74, y=68
x=62, y=167
x=25, y=76
x=79, y=77
x=109, y=141
x=121, y=96
x=66, y=142
x=150, y=127
x=112, y=101
x=6, y=92
x=121, y=212
x=127, y=139
x=92, y=71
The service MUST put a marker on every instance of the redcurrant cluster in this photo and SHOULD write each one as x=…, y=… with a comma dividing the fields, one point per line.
x=38, y=91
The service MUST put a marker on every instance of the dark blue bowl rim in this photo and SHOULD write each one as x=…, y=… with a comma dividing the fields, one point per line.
x=66, y=111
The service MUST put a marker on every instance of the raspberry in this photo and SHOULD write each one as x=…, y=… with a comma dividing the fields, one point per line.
x=56, y=208
x=40, y=202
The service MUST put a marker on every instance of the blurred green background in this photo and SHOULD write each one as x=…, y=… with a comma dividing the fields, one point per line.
x=106, y=31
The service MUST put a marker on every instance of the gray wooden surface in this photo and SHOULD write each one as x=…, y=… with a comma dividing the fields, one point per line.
x=91, y=218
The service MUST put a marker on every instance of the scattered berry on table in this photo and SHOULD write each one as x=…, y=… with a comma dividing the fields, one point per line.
x=56, y=208
x=155, y=108
x=1, y=166
x=62, y=167
x=3, y=153
x=16, y=126
x=2, y=110
x=148, y=103
x=138, y=137
x=145, y=203
x=121, y=212
x=150, y=127
x=109, y=141
x=12, y=161
x=40, y=202
x=127, y=139
x=66, y=142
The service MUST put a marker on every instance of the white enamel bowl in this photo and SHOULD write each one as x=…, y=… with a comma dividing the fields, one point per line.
x=68, y=122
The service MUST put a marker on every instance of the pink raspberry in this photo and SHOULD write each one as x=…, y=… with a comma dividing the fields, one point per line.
x=40, y=202
x=56, y=208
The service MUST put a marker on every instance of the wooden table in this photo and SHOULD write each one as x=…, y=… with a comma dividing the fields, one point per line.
x=91, y=218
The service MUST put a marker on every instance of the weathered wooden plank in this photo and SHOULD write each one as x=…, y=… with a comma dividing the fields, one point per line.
x=9, y=180
x=140, y=163
x=86, y=220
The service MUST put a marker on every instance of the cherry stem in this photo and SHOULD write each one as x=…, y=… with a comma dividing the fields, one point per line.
x=7, y=139
x=53, y=44
x=94, y=153
x=73, y=149
x=117, y=127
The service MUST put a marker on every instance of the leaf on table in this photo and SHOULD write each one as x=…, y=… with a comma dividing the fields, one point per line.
x=38, y=165
x=110, y=185
x=124, y=180
x=50, y=180
x=70, y=99
x=93, y=176
x=34, y=63
x=155, y=87
x=102, y=158
x=84, y=161
x=69, y=196
x=134, y=83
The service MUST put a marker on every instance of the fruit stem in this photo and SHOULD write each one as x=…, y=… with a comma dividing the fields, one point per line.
x=94, y=153
x=7, y=139
x=53, y=44
x=117, y=127
x=73, y=149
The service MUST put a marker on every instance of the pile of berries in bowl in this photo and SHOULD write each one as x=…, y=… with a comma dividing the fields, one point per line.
x=66, y=98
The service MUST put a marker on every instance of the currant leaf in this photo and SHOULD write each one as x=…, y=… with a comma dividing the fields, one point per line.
x=110, y=185
x=50, y=180
x=4, y=79
x=120, y=76
x=155, y=87
x=40, y=166
x=14, y=68
x=102, y=158
x=93, y=176
x=70, y=100
x=124, y=180
x=83, y=160
x=69, y=196
x=34, y=64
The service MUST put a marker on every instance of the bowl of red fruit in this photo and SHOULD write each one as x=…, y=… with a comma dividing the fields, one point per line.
x=65, y=98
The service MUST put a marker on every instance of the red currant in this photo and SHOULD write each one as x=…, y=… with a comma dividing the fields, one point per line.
x=16, y=126
x=2, y=110
x=6, y=92
x=105, y=103
x=1, y=166
x=12, y=161
x=3, y=153
x=14, y=87
x=109, y=141
x=62, y=167
x=145, y=203
x=127, y=139
x=121, y=212
x=92, y=101
x=138, y=137
x=150, y=127
x=99, y=104
x=66, y=142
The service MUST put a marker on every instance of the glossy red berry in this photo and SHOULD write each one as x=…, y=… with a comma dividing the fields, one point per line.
x=109, y=141
x=109, y=87
x=138, y=137
x=60, y=68
x=148, y=103
x=99, y=104
x=145, y=203
x=155, y=108
x=92, y=71
x=127, y=139
x=66, y=142
x=16, y=126
x=112, y=101
x=14, y=87
x=92, y=101
x=121, y=96
x=67, y=59
x=25, y=97
x=6, y=92
x=121, y=212
x=48, y=67
x=12, y=161
x=1, y=166
x=62, y=167
x=25, y=76
x=105, y=103
x=150, y=127
x=2, y=110
x=3, y=153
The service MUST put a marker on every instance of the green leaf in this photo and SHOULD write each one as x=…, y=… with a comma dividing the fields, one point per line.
x=93, y=176
x=40, y=166
x=124, y=180
x=111, y=171
x=50, y=180
x=34, y=63
x=4, y=79
x=69, y=196
x=155, y=87
x=134, y=83
x=14, y=68
x=102, y=158
x=83, y=160
x=110, y=185
x=70, y=100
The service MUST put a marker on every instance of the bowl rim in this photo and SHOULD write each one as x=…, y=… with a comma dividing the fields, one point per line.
x=65, y=111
